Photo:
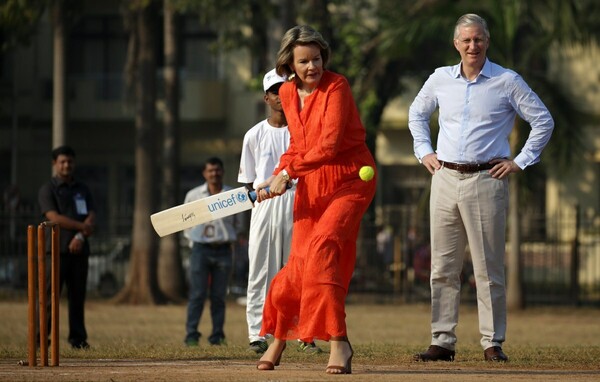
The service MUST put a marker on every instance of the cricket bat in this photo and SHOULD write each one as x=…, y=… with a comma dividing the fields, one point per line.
x=203, y=210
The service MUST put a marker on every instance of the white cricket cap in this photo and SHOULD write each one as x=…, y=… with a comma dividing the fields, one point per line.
x=272, y=78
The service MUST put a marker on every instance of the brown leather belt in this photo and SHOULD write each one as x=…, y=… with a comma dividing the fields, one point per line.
x=467, y=167
x=216, y=245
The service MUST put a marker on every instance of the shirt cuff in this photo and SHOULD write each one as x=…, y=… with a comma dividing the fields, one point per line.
x=422, y=151
x=522, y=160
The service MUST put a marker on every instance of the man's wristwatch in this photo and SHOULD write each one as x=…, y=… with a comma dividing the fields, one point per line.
x=285, y=175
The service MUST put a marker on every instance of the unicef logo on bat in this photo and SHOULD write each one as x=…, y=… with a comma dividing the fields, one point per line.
x=229, y=200
x=242, y=197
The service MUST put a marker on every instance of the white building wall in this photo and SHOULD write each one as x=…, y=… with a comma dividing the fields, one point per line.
x=576, y=68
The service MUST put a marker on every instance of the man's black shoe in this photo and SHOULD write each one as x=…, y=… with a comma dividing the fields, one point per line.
x=80, y=345
x=495, y=354
x=435, y=353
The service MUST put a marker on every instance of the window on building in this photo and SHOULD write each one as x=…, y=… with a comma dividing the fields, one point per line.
x=199, y=55
x=98, y=53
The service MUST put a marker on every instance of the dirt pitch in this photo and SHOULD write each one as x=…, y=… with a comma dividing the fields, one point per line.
x=144, y=343
x=150, y=370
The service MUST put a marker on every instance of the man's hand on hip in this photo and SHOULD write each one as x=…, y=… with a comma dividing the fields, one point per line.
x=503, y=167
x=431, y=163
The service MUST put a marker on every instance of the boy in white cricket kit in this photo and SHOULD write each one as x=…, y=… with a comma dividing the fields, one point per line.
x=272, y=220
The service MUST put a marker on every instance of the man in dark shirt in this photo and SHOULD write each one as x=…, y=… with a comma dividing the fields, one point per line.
x=69, y=203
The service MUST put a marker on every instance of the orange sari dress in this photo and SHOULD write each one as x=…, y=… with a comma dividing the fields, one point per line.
x=306, y=299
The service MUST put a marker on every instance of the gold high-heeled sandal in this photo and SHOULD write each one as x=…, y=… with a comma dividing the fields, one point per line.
x=347, y=368
x=268, y=365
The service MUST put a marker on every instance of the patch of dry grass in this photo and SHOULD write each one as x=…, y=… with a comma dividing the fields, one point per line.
x=386, y=335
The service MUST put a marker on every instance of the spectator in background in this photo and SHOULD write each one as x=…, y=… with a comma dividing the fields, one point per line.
x=68, y=202
x=211, y=259
x=385, y=245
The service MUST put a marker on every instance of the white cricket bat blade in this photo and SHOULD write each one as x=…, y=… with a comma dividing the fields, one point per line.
x=203, y=210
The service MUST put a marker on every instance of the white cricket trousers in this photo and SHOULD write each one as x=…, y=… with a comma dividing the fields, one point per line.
x=468, y=208
x=269, y=245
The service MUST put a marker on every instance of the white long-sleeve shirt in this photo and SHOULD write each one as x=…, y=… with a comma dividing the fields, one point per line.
x=476, y=117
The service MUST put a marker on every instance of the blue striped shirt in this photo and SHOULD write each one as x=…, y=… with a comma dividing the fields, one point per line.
x=476, y=117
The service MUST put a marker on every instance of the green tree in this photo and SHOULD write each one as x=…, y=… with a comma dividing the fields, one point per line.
x=155, y=274
x=171, y=278
x=523, y=34
x=141, y=17
x=18, y=21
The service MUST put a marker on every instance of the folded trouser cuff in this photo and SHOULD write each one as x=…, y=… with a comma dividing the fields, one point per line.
x=443, y=345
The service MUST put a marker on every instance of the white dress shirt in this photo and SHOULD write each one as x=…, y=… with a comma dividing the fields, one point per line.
x=476, y=117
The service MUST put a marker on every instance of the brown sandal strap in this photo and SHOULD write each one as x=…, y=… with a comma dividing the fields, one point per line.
x=342, y=369
x=269, y=364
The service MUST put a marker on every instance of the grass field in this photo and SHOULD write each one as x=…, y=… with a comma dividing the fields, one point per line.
x=146, y=343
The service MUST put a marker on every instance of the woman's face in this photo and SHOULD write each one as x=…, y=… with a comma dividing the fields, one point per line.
x=308, y=64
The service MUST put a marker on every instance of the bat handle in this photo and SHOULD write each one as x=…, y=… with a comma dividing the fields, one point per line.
x=252, y=194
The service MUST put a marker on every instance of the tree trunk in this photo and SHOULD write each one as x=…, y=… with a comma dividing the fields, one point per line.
x=59, y=102
x=171, y=278
x=142, y=283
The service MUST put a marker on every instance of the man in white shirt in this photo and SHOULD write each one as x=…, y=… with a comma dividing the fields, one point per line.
x=478, y=102
x=272, y=220
x=211, y=259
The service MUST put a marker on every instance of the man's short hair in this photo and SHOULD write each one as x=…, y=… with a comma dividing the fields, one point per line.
x=63, y=150
x=213, y=161
x=471, y=19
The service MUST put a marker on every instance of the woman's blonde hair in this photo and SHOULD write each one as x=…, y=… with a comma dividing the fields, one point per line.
x=299, y=35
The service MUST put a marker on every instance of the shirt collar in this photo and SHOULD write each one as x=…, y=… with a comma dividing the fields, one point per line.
x=60, y=181
x=486, y=71
x=456, y=70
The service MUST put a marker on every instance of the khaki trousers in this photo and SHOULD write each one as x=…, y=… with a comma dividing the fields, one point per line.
x=468, y=208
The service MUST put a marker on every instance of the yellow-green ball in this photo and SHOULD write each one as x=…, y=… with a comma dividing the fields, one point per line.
x=366, y=173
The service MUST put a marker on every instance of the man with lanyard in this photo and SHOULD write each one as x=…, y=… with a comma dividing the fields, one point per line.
x=69, y=203
x=211, y=259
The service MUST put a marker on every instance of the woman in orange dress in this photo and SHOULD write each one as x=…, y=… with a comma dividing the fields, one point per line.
x=306, y=299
